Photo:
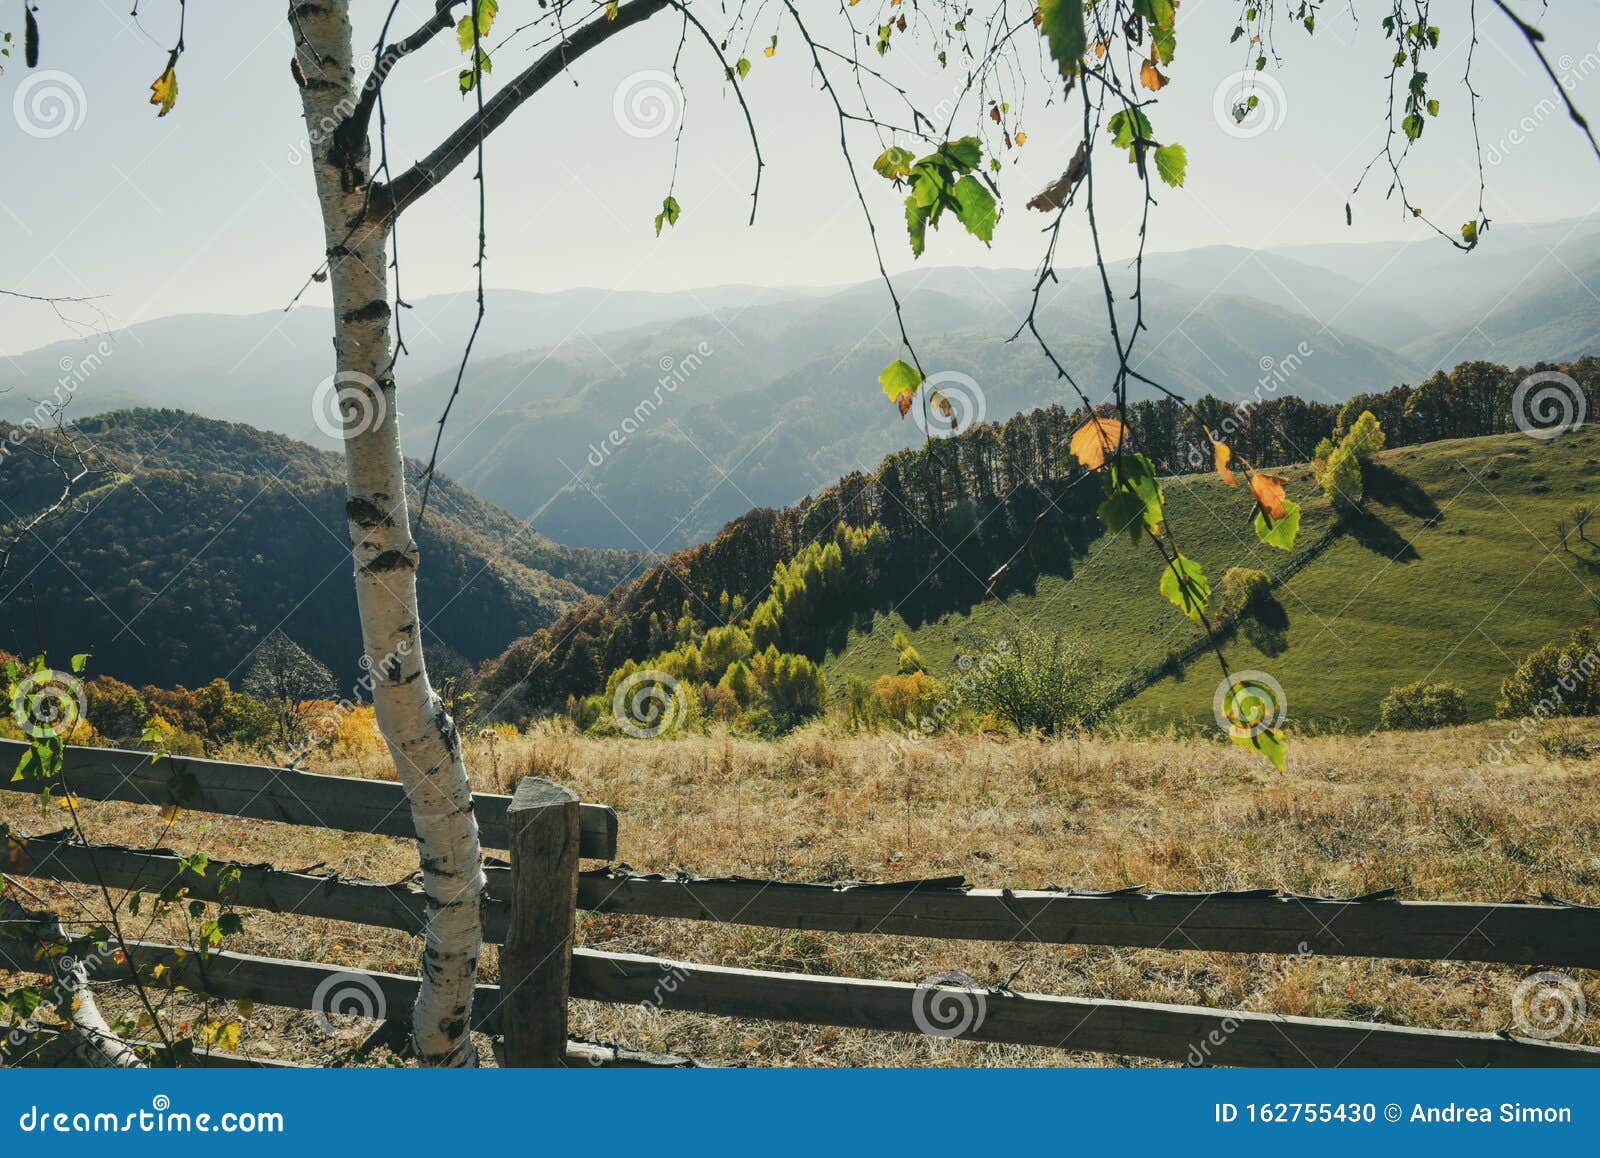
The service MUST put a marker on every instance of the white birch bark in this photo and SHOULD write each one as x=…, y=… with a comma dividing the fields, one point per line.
x=419, y=732
x=92, y=1041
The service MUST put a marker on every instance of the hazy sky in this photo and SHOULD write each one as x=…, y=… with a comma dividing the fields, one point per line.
x=211, y=208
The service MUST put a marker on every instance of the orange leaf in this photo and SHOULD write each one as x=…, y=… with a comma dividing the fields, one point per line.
x=1096, y=439
x=1224, y=455
x=904, y=402
x=1151, y=77
x=1268, y=489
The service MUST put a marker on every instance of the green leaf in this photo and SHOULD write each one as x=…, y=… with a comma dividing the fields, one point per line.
x=1172, y=164
x=894, y=162
x=1184, y=583
x=917, y=226
x=963, y=155
x=1469, y=234
x=1061, y=21
x=487, y=11
x=898, y=377
x=1133, y=496
x=670, y=211
x=1279, y=533
x=975, y=208
x=742, y=67
x=79, y=660
x=1412, y=126
x=1124, y=511
x=1269, y=742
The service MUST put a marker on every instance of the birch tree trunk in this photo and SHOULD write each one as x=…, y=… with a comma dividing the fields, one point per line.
x=419, y=732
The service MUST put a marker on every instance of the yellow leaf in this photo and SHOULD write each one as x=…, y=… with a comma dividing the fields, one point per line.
x=1022, y=137
x=1095, y=440
x=164, y=91
x=1269, y=492
x=1151, y=77
x=1224, y=455
x=170, y=812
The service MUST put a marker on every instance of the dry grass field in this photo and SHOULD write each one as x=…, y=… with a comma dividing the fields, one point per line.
x=1429, y=813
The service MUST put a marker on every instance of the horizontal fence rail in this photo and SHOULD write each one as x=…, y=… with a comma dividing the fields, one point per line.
x=1259, y=921
x=1178, y=1033
x=1263, y=922
x=282, y=794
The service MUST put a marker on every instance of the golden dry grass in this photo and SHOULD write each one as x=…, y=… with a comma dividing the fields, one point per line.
x=1426, y=812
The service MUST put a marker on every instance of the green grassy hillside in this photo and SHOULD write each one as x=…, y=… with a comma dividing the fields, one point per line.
x=1453, y=574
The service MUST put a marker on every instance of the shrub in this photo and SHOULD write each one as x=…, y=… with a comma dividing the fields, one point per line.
x=1559, y=679
x=1423, y=705
x=1039, y=683
x=117, y=710
x=1243, y=590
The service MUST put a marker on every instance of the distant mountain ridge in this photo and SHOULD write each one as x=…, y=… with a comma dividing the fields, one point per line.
x=712, y=401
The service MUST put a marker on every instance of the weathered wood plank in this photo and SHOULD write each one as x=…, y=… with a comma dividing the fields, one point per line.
x=1179, y=1033
x=1514, y=933
x=282, y=794
x=536, y=963
x=1262, y=922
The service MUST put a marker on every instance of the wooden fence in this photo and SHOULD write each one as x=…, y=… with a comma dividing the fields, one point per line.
x=530, y=909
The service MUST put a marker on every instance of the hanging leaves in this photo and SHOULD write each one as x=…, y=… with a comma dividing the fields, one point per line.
x=1269, y=492
x=1279, y=532
x=900, y=378
x=670, y=210
x=1061, y=22
x=1096, y=440
x=164, y=91
x=1133, y=501
x=1224, y=455
x=1184, y=583
x=943, y=180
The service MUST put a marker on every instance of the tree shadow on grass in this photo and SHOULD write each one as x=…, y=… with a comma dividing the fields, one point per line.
x=1393, y=489
x=1375, y=535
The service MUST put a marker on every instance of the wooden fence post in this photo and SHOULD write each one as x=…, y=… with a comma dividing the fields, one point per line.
x=536, y=962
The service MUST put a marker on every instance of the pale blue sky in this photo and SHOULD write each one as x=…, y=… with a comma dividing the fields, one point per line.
x=208, y=210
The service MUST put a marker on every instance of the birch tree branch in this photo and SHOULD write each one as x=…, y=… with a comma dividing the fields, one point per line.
x=409, y=186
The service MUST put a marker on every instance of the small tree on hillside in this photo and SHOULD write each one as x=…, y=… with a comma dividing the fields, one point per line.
x=1045, y=684
x=285, y=675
